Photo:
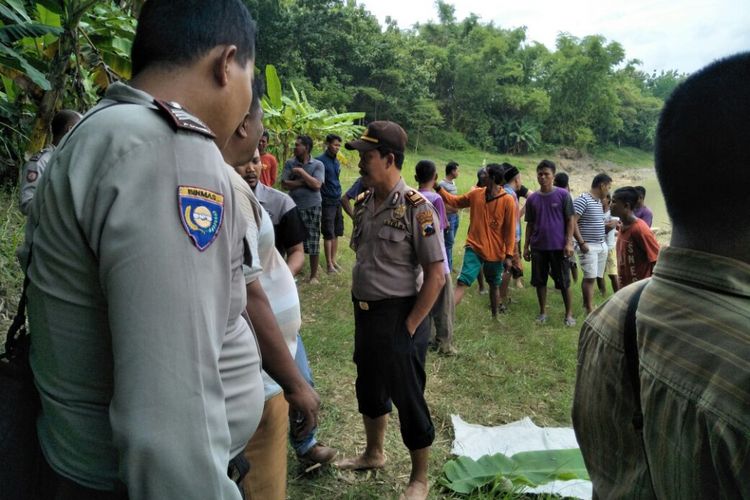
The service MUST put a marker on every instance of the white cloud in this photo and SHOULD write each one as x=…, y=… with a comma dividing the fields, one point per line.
x=663, y=34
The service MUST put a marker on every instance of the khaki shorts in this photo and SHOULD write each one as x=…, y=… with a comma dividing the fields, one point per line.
x=611, y=268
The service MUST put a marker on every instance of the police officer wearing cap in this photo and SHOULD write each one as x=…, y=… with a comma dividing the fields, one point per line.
x=395, y=240
x=148, y=375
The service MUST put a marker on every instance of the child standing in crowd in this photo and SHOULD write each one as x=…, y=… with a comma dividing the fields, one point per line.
x=637, y=248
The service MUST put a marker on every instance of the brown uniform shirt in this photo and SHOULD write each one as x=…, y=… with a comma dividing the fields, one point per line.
x=392, y=242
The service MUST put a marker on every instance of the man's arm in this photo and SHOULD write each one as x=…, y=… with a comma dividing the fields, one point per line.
x=570, y=228
x=295, y=258
x=510, y=212
x=577, y=234
x=450, y=200
x=286, y=182
x=527, y=241
x=346, y=205
x=277, y=361
x=306, y=179
x=434, y=280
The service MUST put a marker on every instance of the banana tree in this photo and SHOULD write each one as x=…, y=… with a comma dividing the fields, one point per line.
x=286, y=117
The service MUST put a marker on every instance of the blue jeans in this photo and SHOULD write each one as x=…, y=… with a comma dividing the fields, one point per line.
x=449, y=235
x=303, y=445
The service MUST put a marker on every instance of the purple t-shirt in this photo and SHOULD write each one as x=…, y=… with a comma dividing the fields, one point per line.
x=548, y=212
x=439, y=205
x=645, y=214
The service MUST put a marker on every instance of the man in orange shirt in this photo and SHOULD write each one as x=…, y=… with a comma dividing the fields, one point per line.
x=637, y=248
x=269, y=162
x=491, y=240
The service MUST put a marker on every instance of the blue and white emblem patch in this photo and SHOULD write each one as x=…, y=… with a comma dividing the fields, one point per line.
x=202, y=212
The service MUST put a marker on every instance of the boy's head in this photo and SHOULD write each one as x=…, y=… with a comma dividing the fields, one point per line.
x=624, y=201
x=425, y=172
x=545, y=174
x=451, y=170
x=562, y=181
x=641, y=195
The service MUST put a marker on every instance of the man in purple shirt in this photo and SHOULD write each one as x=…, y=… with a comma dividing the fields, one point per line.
x=549, y=240
x=642, y=211
x=444, y=310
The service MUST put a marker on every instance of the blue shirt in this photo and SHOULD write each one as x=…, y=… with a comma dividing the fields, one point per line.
x=331, y=188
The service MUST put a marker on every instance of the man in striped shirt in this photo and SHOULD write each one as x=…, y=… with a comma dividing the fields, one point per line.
x=590, y=236
x=693, y=318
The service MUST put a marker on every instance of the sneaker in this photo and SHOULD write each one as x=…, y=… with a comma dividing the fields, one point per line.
x=570, y=322
x=541, y=319
x=318, y=454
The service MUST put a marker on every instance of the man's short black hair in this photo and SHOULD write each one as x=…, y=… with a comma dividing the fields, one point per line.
x=641, y=191
x=450, y=167
x=175, y=33
x=266, y=134
x=332, y=137
x=561, y=180
x=547, y=164
x=600, y=179
x=495, y=172
x=425, y=171
x=627, y=194
x=306, y=141
x=259, y=88
x=398, y=156
x=63, y=121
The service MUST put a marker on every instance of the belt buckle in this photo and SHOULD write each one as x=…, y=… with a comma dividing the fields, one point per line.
x=364, y=305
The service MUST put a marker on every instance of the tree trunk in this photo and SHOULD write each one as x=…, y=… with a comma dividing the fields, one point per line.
x=58, y=78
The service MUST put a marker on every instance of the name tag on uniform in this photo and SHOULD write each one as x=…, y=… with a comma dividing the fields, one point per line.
x=395, y=223
x=202, y=212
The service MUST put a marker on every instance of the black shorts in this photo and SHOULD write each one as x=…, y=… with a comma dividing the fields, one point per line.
x=332, y=222
x=390, y=366
x=545, y=263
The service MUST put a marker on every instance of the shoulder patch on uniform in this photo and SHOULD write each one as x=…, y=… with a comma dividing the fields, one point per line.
x=181, y=119
x=415, y=198
x=426, y=222
x=202, y=213
x=362, y=196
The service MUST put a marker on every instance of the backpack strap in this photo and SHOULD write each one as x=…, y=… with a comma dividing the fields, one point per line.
x=632, y=362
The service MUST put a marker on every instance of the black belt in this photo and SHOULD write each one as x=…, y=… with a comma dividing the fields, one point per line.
x=375, y=305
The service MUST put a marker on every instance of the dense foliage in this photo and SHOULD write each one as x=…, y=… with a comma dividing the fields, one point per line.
x=450, y=82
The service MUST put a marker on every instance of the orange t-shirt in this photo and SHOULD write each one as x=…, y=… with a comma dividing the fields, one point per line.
x=492, y=225
x=270, y=169
x=637, y=250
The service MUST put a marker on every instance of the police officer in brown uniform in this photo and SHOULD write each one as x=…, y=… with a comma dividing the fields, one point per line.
x=395, y=239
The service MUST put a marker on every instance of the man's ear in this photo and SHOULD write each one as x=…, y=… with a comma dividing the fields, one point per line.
x=222, y=64
x=242, y=129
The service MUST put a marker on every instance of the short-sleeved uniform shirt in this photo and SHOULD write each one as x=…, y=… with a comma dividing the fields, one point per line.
x=31, y=174
x=303, y=196
x=146, y=370
x=392, y=242
x=549, y=213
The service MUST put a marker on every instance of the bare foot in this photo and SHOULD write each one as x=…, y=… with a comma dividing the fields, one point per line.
x=362, y=462
x=417, y=490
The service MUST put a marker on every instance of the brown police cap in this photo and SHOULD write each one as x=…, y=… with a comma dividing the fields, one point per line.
x=380, y=133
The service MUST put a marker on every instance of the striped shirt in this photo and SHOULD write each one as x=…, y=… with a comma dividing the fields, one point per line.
x=591, y=221
x=694, y=349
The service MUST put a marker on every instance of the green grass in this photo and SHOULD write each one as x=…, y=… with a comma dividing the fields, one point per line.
x=505, y=370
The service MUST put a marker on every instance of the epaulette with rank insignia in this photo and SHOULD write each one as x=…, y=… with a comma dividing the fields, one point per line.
x=415, y=198
x=362, y=197
x=181, y=119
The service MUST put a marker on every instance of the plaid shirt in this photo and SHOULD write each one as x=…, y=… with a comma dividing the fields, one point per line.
x=694, y=350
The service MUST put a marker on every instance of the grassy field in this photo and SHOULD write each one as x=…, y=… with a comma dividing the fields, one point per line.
x=505, y=370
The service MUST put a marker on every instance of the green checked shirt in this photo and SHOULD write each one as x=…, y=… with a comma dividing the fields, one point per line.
x=694, y=348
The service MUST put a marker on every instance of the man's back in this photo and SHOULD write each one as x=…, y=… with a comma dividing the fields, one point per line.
x=134, y=305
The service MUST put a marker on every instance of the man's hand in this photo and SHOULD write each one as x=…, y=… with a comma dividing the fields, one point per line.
x=568, y=249
x=583, y=247
x=527, y=254
x=507, y=264
x=304, y=405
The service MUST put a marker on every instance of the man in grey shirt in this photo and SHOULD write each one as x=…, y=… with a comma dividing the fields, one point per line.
x=303, y=176
x=148, y=375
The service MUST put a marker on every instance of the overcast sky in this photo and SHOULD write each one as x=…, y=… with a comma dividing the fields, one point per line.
x=664, y=34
